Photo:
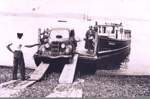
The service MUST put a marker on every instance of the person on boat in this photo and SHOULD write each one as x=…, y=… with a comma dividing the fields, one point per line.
x=89, y=40
x=96, y=27
x=18, y=58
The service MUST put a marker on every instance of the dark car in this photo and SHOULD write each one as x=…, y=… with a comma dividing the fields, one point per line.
x=56, y=44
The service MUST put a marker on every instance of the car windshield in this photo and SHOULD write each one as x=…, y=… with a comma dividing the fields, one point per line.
x=59, y=34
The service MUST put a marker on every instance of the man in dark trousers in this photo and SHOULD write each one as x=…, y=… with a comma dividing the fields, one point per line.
x=89, y=40
x=18, y=60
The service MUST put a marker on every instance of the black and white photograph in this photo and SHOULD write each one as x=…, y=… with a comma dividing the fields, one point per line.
x=74, y=49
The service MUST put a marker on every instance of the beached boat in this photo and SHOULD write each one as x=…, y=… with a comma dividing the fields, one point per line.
x=111, y=40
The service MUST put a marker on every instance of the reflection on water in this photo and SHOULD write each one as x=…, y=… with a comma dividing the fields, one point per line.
x=124, y=64
x=116, y=61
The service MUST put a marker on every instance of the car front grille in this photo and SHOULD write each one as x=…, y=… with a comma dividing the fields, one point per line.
x=55, y=48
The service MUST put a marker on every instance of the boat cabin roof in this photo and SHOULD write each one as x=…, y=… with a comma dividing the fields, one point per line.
x=111, y=25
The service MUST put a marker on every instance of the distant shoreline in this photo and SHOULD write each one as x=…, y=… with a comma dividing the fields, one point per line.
x=68, y=15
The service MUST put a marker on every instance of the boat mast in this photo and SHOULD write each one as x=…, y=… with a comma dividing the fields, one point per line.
x=84, y=15
x=87, y=13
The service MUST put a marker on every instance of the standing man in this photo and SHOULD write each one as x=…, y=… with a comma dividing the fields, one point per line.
x=96, y=26
x=89, y=40
x=18, y=60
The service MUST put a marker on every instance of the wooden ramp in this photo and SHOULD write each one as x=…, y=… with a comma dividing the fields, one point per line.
x=68, y=72
x=73, y=90
x=24, y=84
x=39, y=72
x=7, y=83
x=10, y=88
x=13, y=87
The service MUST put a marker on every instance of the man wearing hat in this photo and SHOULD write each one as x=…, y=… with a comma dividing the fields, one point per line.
x=18, y=60
x=89, y=40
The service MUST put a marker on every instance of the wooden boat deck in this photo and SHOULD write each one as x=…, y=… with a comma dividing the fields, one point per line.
x=83, y=52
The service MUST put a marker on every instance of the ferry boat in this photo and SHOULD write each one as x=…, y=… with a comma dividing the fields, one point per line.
x=111, y=40
x=58, y=45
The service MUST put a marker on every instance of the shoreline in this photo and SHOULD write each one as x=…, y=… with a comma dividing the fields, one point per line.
x=95, y=86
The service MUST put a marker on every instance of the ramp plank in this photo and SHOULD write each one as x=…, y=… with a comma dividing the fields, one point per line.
x=76, y=93
x=73, y=90
x=39, y=72
x=72, y=94
x=68, y=72
x=6, y=83
x=24, y=84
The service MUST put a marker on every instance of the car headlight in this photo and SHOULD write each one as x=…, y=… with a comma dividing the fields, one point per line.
x=63, y=45
x=47, y=45
x=68, y=49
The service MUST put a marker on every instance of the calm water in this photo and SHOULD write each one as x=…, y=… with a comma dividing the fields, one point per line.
x=137, y=62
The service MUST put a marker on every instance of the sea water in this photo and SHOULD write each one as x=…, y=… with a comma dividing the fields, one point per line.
x=10, y=25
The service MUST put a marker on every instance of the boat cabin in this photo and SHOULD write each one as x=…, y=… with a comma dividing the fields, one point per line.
x=113, y=30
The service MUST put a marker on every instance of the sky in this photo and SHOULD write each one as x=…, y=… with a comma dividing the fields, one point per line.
x=138, y=9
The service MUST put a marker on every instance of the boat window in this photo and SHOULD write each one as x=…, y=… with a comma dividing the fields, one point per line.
x=127, y=33
x=113, y=30
x=108, y=30
x=121, y=30
x=99, y=29
x=104, y=29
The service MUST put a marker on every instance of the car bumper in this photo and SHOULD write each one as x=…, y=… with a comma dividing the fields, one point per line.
x=52, y=57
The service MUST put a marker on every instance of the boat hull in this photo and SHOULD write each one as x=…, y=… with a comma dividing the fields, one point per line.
x=108, y=51
x=106, y=44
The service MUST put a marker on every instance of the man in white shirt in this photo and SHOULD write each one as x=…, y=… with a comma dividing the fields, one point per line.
x=18, y=60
